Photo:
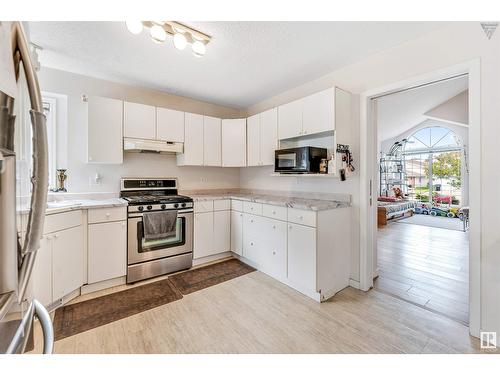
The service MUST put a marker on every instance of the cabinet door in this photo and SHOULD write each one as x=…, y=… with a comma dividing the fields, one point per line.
x=169, y=125
x=139, y=121
x=252, y=237
x=234, y=143
x=203, y=234
x=319, y=112
x=274, y=248
x=268, y=136
x=253, y=140
x=290, y=120
x=237, y=232
x=105, y=130
x=42, y=272
x=107, y=251
x=302, y=256
x=222, y=231
x=67, y=261
x=212, y=152
x=193, y=140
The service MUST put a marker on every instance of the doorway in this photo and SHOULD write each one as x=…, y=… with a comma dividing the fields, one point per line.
x=370, y=181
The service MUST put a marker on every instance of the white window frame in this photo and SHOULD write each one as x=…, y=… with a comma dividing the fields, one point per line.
x=50, y=110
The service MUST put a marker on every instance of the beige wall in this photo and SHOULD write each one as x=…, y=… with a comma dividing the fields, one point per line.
x=74, y=152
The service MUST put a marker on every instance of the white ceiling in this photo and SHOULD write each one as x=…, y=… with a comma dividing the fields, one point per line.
x=402, y=111
x=246, y=62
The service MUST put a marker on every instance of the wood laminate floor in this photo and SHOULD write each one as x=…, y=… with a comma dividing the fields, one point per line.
x=426, y=266
x=256, y=314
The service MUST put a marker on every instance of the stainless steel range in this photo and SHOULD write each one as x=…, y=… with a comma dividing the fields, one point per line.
x=148, y=257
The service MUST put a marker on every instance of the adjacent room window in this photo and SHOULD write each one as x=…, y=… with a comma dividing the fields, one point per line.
x=433, y=160
x=50, y=110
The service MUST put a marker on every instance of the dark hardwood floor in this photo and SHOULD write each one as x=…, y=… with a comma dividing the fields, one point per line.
x=426, y=266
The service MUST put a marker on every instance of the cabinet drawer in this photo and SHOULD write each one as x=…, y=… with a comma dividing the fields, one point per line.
x=203, y=206
x=252, y=208
x=222, y=204
x=62, y=221
x=103, y=215
x=303, y=217
x=236, y=205
x=274, y=212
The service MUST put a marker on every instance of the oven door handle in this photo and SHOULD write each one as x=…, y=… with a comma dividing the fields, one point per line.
x=180, y=213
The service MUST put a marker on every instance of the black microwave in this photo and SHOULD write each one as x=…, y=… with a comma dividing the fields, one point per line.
x=299, y=159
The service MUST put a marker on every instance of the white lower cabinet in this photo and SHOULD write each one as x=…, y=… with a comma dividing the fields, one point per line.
x=42, y=272
x=309, y=251
x=67, y=261
x=252, y=237
x=302, y=256
x=274, y=248
x=107, y=251
x=237, y=232
x=203, y=234
x=222, y=231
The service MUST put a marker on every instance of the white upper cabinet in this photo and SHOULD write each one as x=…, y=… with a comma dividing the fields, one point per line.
x=262, y=138
x=212, y=149
x=319, y=112
x=139, y=121
x=105, y=127
x=268, y=136
x=234, y=144
x=253, y=140
x=290, y=120
x=169, y=125
x=193, y=140
x=316, y=113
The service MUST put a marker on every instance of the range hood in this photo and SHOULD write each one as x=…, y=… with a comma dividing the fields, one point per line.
x=144, y=145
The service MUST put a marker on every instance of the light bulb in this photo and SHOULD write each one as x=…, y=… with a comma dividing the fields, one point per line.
x=180, y=41
x=199, y=48
x=135, y=27
x=158, y=34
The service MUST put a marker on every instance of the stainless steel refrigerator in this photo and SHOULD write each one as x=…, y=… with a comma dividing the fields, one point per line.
x=18, y=244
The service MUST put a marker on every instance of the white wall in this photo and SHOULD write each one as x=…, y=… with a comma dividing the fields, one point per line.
x=441, y=48
x=73, y=154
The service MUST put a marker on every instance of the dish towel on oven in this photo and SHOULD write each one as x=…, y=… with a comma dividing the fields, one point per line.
x=159, y=225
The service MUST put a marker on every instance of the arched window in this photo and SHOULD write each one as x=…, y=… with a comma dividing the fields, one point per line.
x=433, y=139
x=432, y=158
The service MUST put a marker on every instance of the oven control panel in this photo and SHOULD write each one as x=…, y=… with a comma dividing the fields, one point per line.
x=160, y=207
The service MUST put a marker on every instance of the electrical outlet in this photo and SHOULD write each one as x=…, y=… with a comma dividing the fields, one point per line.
x=95, y=180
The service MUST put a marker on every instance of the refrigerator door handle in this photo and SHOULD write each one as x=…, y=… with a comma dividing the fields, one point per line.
x=47, y=328
x=39, y=179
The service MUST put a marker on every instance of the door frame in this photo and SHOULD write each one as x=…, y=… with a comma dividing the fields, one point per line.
x=368, y=177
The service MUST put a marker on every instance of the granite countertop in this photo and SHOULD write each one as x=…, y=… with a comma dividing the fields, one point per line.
x=303, y=203
x=59, y=206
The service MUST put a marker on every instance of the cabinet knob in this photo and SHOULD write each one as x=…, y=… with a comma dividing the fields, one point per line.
x=274, y=226
x=251, y=208
x=123, y=224
x=290, y=226
x=251, y=243
x=56, y=236
x=274, y=252
x=251, y=220
x=108, y=214
x=90, y=158
x=274, y=212
x=301, y=217
x=241, y=214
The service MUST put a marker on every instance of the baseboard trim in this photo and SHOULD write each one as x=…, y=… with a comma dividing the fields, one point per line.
x=354, y=283
x=90, y=288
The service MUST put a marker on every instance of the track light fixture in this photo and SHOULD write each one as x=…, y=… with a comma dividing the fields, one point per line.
x=182, y=35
